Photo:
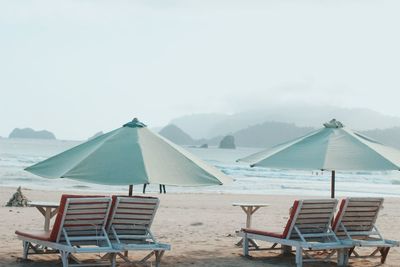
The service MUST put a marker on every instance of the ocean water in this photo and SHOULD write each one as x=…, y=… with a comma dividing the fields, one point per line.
x=16, y=154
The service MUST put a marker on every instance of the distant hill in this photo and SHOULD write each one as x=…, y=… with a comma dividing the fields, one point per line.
x=390, y=136
x=211, y=125
x=32, y=134
x=199, y=125
x=268, y=134
x=176, y=135
x=228, y=142
x=261, y=135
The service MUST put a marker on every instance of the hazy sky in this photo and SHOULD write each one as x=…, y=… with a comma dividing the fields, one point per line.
x=77, y=67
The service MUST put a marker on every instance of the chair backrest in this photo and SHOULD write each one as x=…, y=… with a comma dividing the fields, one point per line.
x=310, y=218
x=131, y=218
x=357, y=216
x=81, y=216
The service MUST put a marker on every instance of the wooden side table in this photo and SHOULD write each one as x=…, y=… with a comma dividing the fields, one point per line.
x=47, y=209
x=249, y=209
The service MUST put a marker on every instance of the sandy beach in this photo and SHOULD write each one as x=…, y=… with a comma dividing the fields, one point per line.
x=200, y=227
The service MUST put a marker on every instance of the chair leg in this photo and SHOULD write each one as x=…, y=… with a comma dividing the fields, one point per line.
x=351, y=250
x=64, y=258
x=286, y=250
x=299, y=256
x=159, y=254
x=343, y=257
x=245, y=245
x=25, y=250
x=384, y=253
x=113, y=261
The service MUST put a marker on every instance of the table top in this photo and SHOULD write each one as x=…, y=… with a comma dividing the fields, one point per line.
x=249, y=204
x=43, y=204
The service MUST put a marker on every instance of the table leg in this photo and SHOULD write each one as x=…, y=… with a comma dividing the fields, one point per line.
x=47, y=218
x=249, y=212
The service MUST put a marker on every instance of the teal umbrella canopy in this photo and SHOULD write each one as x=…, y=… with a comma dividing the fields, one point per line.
x=334, y=147
x=130, y=155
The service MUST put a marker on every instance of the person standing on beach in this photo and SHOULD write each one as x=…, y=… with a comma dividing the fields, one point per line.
x=162, y=188
x=144, y=188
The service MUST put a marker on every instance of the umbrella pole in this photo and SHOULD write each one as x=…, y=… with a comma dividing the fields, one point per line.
x=130, y=190
x=333, y=185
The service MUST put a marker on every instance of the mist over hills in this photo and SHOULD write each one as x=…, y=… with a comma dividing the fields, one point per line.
x=212, y=125
x=254, y=129
x=390, y=136
x=176, y=135
x=262, y=135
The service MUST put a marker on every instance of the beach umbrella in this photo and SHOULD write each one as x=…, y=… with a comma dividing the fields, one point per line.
x=130, y=155
x=334, y=147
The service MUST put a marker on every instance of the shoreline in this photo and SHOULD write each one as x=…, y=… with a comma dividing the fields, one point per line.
x=200, y=228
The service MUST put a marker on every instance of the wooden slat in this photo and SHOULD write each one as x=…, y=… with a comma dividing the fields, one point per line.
x=123, y=221
x=359, y=214
x=315, y=210
x=307, y=201
x=312, y=221
x=313, y=215
x=367, y=199
x=142, y=211
x=85, y=211
x=358, y=219
x=359, y=209
x=89, y=222
x=84, y=216
x=354, y=225
x=133, y=216
x=317, y=206
x=317, y=226
x=91, y=206
x=89, y=200
x=136, y=206
x=82, y=228
x=129, y=226
x=363, y=204
x=138, y=200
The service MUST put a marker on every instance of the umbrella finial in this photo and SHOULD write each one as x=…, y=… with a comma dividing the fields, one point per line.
x=333, y=124
x=135, y=123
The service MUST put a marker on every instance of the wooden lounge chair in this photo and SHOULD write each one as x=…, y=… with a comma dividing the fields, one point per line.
x=78, y=228
x=355, y=224
x=307, y=229
x=129, y=227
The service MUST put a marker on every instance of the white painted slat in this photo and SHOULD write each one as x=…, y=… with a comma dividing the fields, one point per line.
x=133, y=216
x=317, y=226
x=359, y=214
x=315, y=210
x=84, y=216
x=89, y=206
x=359, y=209
x=317, y=206
x=363, y=204
x=89, y=222
x=313, y=215
x=136, y=206
x=123, y=221
x=142, y=211
x=138, y=200
x=85, y=211
x=82, y=228
x=367, y=199
x=307, y=201
x=129, y=226
x=89, y=200
x=311, y=221
x=354, y=223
